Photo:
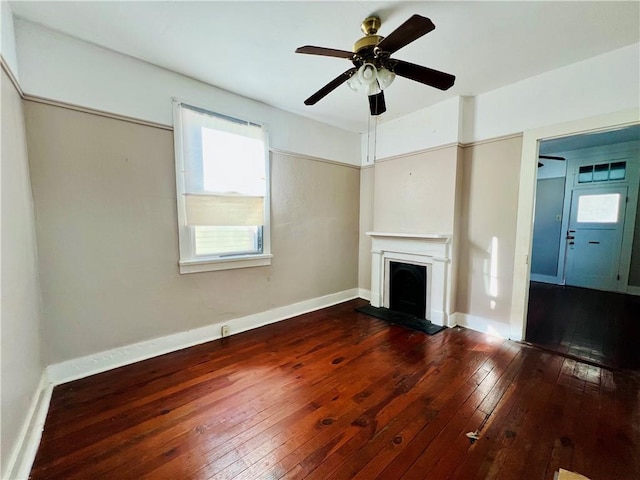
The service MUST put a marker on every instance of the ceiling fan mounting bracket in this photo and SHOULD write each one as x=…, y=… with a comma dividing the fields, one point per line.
x=371, y=25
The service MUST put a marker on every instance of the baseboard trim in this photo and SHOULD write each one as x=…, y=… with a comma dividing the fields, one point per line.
x=364, y=293
x=631, y=290
x=24, y=453
x=536, y=277
x=82, y=367
x=481, y=324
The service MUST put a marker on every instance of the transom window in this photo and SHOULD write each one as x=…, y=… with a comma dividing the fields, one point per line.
x=223, y=190
x=604, y=172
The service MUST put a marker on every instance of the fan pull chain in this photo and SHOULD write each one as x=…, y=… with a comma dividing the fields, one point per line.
x=371, y=156
x=375, y=138
x=369, y=139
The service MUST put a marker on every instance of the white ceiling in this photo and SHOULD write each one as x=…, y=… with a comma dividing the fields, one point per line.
x=589, y=140
x=248, y=47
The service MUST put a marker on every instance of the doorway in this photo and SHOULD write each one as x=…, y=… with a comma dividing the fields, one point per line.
x=585, y=211
x=586, y=235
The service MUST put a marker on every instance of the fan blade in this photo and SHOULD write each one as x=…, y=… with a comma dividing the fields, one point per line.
x=377, y=105
x=329, y=87
x=418, y=73
x=551, y=157
x=406, y=33
x=325, y=52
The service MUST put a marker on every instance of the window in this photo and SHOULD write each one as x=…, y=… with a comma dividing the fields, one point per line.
x=222, y=179
x=604, y=172
x=601, y=208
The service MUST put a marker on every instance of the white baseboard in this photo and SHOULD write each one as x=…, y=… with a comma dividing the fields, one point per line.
x=536, y=277
x=101, y=362
x=631, y=290
x=481, y=324
x=24, y=452
x=364, y=293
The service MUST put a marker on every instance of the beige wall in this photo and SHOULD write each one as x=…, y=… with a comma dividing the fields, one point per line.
x=416, y=193
x=367, y=178
x=104, y=193
x=487, y=228
x=20, y=316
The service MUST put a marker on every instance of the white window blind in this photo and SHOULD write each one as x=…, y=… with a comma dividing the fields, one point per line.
x=222, y=180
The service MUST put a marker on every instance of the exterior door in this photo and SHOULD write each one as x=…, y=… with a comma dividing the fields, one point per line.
x=594, y=237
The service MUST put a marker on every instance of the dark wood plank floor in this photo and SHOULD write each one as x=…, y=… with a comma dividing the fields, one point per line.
x=336, y=394
x=595, y=326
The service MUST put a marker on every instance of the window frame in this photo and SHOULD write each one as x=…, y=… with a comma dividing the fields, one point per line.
x=189, y=262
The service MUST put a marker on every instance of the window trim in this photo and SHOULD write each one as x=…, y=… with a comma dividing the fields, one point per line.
x=188, y=261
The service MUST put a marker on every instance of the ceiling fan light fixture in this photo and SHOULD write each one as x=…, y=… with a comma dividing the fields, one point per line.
x=354, y=83
x=385, y=77
x=367, y=74
x=370, y=57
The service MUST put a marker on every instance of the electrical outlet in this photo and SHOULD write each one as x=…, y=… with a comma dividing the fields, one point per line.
x=225, y=330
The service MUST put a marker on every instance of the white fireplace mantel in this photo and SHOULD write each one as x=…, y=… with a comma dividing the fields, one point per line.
x=430, y=250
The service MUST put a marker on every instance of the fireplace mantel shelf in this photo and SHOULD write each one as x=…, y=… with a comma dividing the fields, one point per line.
x=424, y=236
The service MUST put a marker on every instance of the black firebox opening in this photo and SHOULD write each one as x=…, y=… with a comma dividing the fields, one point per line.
x=408, y=289
x=407, y=299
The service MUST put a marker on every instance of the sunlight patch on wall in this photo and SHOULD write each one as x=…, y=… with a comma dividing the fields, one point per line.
x=491, y=273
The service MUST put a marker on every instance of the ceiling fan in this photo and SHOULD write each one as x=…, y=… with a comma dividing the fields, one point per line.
x=549, y=157
x=373, y=68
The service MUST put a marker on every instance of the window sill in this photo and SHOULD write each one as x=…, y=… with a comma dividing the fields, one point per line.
x=226, y=263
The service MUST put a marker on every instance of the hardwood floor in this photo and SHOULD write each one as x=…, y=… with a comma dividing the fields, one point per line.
x=594, y=326
x=336, y=394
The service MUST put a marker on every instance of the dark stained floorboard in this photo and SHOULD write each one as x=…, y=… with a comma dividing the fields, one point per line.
x=336, y=394
x=589, y=325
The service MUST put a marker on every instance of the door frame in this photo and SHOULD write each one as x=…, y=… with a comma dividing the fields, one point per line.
x=526, y=200
x=606, y=154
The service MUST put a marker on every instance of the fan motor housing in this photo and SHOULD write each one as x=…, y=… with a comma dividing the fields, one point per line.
x=370, y=41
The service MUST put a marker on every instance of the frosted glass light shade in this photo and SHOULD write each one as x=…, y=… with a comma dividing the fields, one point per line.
x=385, y=78
x=354, y=83
x=367, y=74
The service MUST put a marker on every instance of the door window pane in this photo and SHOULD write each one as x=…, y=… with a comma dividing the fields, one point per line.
x=585, y=174
x=601, y=208
x=601, y=173
x=618, y=171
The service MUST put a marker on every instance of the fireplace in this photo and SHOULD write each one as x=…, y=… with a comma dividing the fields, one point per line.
x=408, y=289
x=421, y=262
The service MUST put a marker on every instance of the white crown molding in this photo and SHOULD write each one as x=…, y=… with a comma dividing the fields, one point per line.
x=417, y=152
x=445, y=146
x=501, y=138
x=93, y=111
x=303, y=156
